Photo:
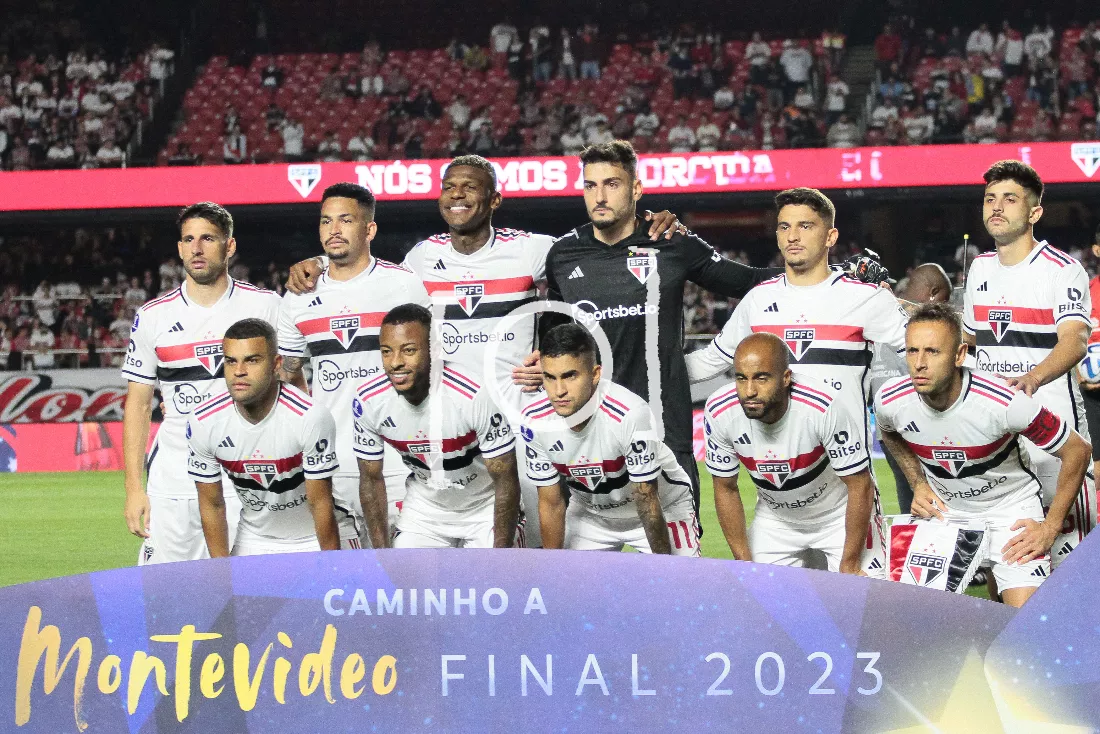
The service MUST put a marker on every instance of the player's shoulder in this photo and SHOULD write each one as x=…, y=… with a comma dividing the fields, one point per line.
x=374, y=388
x=896, y=388
x=249, y=291
x=842, y=282
x=991, y=388
x=722, y=400
x=618, y=403
x=1051, y=257
x=812, y=394
x=161, y=304
x=294, y=400
x=459, y=384
x=392, y=269
x=538, y=409
x=212, y=406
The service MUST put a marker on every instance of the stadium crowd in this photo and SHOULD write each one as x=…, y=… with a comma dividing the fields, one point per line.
x=67, y=101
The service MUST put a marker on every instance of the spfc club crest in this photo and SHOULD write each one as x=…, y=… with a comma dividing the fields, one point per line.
x=999, y=320
x=799, y=339
x=775, y=472
x=640, y=266
x=589, y=475
x=210, y=357
x=304, y=177
x=262, y=471
x=1087, y=157
x=344, y=329
x=925, y=567
x=953, y=460
x=469, y=295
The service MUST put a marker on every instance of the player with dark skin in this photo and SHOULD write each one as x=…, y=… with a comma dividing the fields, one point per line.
x=467, y=200
x=763, y=377
x=406, y=359
x=251, y=374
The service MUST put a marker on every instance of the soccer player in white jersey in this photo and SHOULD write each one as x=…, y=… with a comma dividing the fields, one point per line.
x=483, y=273
x=803, y=449
x=828, y=321
x=176, y=341
x=956, y=434
x=598, y=439
x=277, y=447
x=464, y=488
x=1026, y=314
x=337, y=327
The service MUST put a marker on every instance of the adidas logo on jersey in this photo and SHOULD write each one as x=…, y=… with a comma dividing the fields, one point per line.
x=743, y=439
x=388, y=423
x=912, y=427
x=874, y=565
x=577, y=273
x=983, y=287
x=315, y=302
x=176, y=327
x=439, y=265
x=1065, y=549
x=1041, y=572
x=557, y=446
x=774, y=308
x=227, y=443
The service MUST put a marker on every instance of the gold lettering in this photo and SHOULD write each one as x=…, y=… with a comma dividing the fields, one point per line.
x=248, y=690
x=351, y=672
x=282, y=669
x=46, y=642
x=385, y=667
x=213, y=670
x=110, y=674
x=141, y=666
x=317, y=666
x=185, y=648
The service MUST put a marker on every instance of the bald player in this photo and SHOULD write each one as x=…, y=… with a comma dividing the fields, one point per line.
x=927, y=283
x=803, y=449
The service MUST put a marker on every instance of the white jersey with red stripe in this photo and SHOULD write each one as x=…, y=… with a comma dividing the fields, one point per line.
x=598, y=463
x=486, y=286
x=337, y=327
x=447, y=459
x=797, y=462
x=268, y=462
x=177, y=343
x=829, y=328
x=971, y=453
x=1014, y=313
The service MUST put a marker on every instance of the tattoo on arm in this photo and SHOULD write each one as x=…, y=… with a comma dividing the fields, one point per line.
x=292, y=373
x=648, y=502
x=908, y=462
x=506, y=485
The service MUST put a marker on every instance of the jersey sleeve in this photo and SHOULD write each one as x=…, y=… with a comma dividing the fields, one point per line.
x=540, y=469
x=641, y=446
x=969, y=324
x=292, y=342
x=140, y=364
x=1072, y=296
x=707, y=268
x=886, y=320
x=368, y=444
x=549, y=319
x=413, y=259
x=202, y=465
x=842, y=437
x=538, y=248
x=722, y=459
x=716, y=357
x=1028, y=417
x=884, y=421
x=494, y=434
x=319, y=443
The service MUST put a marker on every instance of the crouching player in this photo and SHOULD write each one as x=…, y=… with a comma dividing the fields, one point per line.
x=464, y=487
x=626, y=486
x=956, y=435
x=803, y=450
x=276, y=446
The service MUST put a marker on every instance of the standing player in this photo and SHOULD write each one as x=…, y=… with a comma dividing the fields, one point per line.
x=1026, y=313
x=176, y=340
x=801, y=446
x=338, y=326
x=1090, y=367
x=277, y=447
x=626, y=486
x=485, y=273
x=959, y=430
x=464, y=488
x=614, y=275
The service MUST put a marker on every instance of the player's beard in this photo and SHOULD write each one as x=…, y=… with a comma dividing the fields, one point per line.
x=1006, y=235
x=615, y=221
x=206, y=276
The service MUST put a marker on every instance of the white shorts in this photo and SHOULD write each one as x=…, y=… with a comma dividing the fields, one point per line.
x=786, y=544
x=254, y=546
x=175, y=530
x=585, y=530
x=998, y=533
x=419, y=529
x=1081, y=518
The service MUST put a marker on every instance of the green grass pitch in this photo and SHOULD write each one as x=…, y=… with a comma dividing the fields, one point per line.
x=68, y=523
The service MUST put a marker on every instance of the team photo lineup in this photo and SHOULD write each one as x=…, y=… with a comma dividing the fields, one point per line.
x=502, y=389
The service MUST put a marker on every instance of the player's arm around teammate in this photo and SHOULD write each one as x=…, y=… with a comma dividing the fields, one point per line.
x=136, y=419
x=506, y=508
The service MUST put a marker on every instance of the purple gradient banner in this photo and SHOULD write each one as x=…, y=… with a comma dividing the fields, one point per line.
x=466, y=640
